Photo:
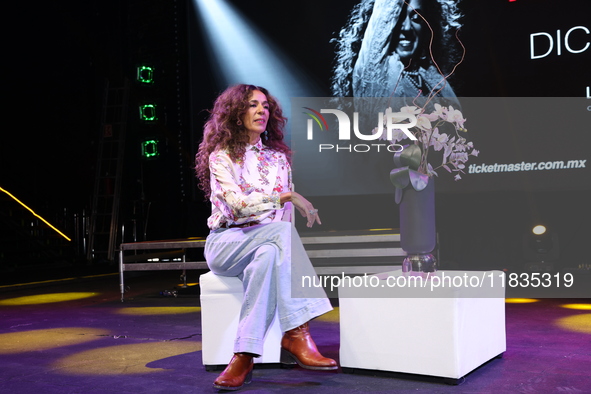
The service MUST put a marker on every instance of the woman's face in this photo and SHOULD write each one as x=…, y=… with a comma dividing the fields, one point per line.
x=409, y=33
x=257, y=115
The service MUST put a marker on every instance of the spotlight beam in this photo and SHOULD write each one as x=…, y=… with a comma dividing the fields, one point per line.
x=242, y=54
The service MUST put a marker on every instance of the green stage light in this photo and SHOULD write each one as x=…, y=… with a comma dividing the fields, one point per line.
x=148, y=112
x=150, y=149
x=145, y=75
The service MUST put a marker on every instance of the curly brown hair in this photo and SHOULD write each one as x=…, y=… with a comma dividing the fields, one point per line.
x=443, y=15
x=223, y=131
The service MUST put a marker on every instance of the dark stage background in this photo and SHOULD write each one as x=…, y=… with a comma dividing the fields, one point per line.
x=59, y=55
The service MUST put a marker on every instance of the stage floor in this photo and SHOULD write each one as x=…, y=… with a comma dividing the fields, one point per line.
x=76, y=336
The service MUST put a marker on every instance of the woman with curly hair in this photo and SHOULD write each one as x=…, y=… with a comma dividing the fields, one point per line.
x=243, y=166
x=397, y=48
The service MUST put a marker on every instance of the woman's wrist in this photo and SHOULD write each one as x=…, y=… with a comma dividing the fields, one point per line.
x=284, y=197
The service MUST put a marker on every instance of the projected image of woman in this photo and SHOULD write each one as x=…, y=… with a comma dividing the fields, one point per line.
x=243, y=167
x=400, y=48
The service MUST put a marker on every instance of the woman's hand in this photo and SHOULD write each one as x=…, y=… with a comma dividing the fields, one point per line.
x=304, y=206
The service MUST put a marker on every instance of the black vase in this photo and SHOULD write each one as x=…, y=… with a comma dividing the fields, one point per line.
x=417, y=228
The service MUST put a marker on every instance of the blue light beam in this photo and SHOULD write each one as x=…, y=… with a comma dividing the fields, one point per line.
x=242, y=54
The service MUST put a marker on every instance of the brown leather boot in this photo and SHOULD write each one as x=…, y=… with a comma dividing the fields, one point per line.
x=297, y=346
x=237, y=373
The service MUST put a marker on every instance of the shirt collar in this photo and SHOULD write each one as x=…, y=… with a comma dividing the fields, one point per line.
x=257, y=145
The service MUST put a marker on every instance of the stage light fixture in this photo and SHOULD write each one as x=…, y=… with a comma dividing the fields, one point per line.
x=148, y=112
x=150, y=149
x=541, y=243
x=145, y=75
x=540, y=249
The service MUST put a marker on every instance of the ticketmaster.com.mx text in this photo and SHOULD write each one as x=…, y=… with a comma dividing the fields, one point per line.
x=523, y=166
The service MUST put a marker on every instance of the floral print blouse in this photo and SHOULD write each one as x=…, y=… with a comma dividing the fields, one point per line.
x=248, y=190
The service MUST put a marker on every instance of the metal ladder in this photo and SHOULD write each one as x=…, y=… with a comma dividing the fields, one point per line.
x=104, y=217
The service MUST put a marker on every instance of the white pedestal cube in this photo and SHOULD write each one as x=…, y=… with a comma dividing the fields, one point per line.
x=221, y=299
x=445, y=331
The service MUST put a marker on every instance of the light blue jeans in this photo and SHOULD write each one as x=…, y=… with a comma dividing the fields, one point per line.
x=270, y=260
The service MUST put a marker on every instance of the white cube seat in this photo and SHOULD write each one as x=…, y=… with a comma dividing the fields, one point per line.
x=221, y=300
x=445, y=332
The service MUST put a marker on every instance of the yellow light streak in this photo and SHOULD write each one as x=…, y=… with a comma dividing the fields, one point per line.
x=46, y=339
x=124, y=359
x=48, y=298
x=520, y=300
x=581, y=307
x=57, y=280
x=33, y=212
x=576, y=323
x=331, y=316
x=158, y=310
